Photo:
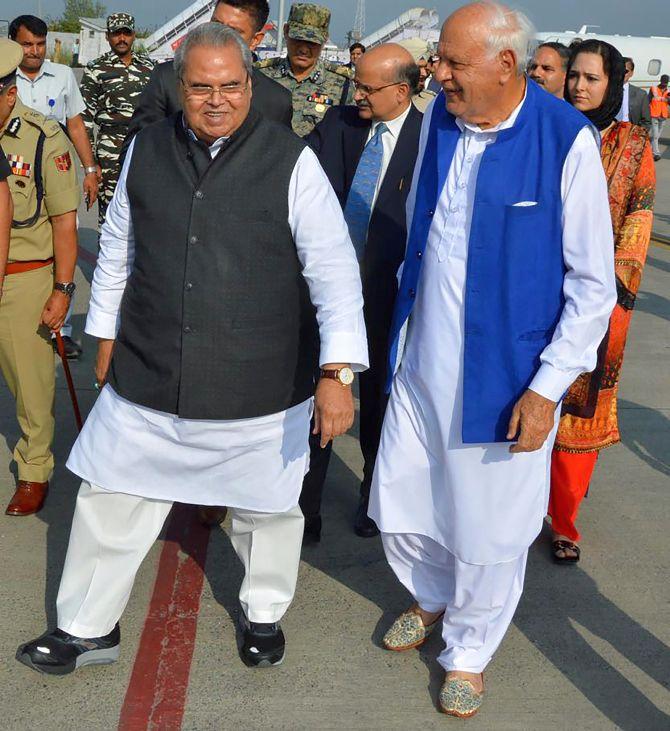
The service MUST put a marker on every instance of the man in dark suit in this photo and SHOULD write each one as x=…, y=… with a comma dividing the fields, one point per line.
x=160, y=98
x=637, y=99
x=368, y=153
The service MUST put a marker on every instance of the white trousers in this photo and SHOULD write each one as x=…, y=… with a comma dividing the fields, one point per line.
x=478, y=601
x=657, y=124
x=112, y=533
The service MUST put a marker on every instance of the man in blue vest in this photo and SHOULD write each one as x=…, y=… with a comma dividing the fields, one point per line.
x=507, y=288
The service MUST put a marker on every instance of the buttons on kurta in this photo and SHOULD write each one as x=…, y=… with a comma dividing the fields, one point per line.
x=430, y=213
x=412, y=293
x=419, y=254
x=193, y=240
x=199, y=195
x=187, y=329
x=188, y=287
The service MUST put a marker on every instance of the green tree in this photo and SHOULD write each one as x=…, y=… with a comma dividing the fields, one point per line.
x=75, y=9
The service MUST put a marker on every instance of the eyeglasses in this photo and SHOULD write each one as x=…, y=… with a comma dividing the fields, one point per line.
x=234, y=90
x=369, y=90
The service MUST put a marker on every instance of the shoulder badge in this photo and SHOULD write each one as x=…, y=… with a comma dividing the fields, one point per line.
x=63, y=162
x=340, y=70
x=268, y=63
x=51, y=128
x=14, y=126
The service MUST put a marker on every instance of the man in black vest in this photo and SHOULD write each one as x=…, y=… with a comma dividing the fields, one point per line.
x=203, y=301
x=161, y=97
x=385, y=81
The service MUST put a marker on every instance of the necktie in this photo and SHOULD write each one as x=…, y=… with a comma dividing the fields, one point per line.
x=358, y=209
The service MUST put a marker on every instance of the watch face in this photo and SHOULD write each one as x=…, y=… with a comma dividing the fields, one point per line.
x=346, y=376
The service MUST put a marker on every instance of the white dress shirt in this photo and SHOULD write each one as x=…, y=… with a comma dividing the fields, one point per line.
x=54, y=92
x=389, y=142
x=482, y=503
x=253, y=464
x=624, y=112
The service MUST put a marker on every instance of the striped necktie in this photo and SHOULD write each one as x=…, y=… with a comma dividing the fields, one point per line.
x=358, y=209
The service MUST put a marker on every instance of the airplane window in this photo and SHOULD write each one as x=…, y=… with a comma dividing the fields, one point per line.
x=654, y=68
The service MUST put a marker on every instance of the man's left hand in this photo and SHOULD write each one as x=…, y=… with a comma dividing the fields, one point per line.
x=333, y=410
x=91, y=188
x=532, y=419
x=55, y=310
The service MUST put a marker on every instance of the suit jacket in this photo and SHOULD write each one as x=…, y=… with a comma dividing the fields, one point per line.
x=339, y=141
x=160, y=99
x=638, y=107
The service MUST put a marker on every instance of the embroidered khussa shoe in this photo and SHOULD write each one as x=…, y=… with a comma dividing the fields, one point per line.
x=459, y=698
x=408, y=631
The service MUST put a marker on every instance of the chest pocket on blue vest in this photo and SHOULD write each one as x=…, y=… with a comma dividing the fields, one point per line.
x=523, y=235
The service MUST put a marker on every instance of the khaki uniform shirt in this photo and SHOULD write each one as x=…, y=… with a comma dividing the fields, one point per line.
x=19, y=138
x=325, y=87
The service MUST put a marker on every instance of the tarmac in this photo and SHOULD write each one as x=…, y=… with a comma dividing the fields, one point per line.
x=588, y=649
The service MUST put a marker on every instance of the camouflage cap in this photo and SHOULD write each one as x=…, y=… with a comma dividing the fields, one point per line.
x=120, y=21
x=309, y=22
x=11, y=55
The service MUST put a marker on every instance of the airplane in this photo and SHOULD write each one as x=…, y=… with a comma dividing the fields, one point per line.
x=651, y=55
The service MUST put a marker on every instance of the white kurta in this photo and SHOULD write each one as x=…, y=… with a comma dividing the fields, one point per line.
x=480, y=502
x=252, y=464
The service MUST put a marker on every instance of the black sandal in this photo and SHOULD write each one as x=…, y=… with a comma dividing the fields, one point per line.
x=566, y=546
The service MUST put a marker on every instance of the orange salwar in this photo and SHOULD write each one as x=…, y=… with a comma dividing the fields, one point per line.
x=570, y=478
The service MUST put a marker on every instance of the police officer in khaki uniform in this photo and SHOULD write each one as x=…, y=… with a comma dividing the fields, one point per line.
x=316, y=85
x=38, y=276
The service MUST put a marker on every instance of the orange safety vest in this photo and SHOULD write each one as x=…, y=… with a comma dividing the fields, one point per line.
x=658, y=103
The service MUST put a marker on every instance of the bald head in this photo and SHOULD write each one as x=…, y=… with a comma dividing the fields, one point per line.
x=483, y=51
x=386, y=79
x=388, y=59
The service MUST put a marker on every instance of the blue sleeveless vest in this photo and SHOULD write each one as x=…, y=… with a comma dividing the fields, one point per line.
x=515, y=271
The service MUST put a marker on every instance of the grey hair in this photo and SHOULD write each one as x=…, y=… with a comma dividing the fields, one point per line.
x=214, y=35
x=509, y=30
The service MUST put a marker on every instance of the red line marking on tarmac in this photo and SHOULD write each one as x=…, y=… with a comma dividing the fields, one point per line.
x=87, y=256
x=156, y=695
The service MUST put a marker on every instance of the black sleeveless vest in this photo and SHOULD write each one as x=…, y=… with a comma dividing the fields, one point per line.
x=216, y=320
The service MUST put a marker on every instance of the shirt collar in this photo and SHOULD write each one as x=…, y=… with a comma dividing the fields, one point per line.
x=393, y=125
x=505, y=124
x=316, y=75
x=46, y=70
x=214, y=148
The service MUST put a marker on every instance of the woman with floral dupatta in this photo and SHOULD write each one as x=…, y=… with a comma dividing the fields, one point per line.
x=594, y=85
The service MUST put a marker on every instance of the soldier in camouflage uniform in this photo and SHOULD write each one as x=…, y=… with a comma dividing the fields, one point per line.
x=111, y=87
x=315, y=85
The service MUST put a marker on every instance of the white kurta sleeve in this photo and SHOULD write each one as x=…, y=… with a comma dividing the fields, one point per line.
x=589, y=287
x=329, y=264
x=115, y=261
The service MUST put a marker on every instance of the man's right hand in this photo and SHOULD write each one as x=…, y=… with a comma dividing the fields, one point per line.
x=105, y=352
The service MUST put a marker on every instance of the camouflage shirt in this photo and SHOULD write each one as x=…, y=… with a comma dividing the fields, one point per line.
x=323, y=88
x=111, y=90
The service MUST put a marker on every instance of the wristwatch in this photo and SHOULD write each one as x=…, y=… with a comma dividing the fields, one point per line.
x=67, y=288
x=90, y=170
x=344, y=375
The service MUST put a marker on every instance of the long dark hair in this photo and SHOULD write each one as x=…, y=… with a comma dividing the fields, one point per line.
x=615, y=70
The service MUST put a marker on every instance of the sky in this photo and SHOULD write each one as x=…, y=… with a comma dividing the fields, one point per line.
x=642, y=17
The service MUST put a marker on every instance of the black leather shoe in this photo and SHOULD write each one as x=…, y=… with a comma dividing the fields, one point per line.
x=72, y=350
x=364, y=526
x=312, y=534
x=263, y=645
x=58, y=653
